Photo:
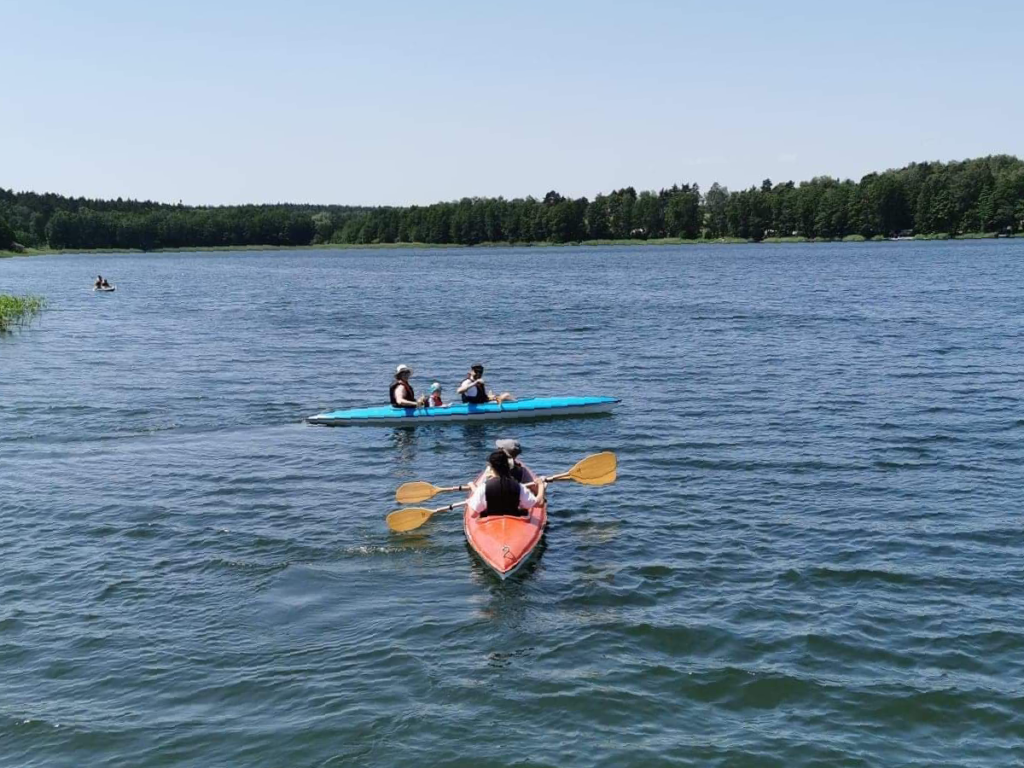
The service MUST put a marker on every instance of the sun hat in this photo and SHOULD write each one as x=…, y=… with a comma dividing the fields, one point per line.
x=403, y=369
x=435, y=387
x=510, y=447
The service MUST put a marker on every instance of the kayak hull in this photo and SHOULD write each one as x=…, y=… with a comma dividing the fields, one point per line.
x=105, y=290
x=532, y=408
x=504, y=543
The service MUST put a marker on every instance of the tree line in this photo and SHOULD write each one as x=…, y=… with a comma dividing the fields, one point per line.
x=979, y=195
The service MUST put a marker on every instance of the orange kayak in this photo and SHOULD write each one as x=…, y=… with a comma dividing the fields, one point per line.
x=503, y=542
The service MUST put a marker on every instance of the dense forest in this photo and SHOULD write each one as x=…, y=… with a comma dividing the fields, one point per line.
x=980, y=195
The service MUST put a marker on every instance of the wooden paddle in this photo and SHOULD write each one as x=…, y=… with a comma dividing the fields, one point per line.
x=599, y=469
x=402, y=520
x=410, y=493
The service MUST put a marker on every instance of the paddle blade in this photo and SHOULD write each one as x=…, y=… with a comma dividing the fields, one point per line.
x=602, y=480
x=595, y=470
x=408, y=519
x=410, y=493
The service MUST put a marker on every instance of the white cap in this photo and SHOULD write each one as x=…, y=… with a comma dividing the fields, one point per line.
x=510, y=447
x=403, y=369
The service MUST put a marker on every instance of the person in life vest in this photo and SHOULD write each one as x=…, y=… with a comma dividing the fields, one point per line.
x=512, y=449
x=402, y=395
x=474, y=389
x=436, y=400
x=502, y=494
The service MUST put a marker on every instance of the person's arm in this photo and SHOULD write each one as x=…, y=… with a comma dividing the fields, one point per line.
x=466, y=384
x=478, y=500
x=526, y=498
x=542, y=492
x=403, y=401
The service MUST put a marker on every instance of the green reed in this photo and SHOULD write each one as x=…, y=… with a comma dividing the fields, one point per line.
x=18, y=310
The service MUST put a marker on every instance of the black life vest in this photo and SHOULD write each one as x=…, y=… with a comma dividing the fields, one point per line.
x=479, y=397
x=517, y=472
x=502, y=495
x=410, y=396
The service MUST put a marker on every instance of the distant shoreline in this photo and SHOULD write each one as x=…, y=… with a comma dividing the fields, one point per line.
x=542, y=244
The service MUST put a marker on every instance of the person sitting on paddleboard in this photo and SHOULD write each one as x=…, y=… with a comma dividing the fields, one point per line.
x=402, y=395
x=512, y=449
x=502, y=494
x=474, y=389
x=105, y=284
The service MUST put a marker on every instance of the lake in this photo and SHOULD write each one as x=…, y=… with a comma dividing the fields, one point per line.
x=813, y=554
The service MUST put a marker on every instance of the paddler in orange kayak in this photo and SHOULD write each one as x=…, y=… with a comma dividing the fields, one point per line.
x=512, y=449
x=502, y=494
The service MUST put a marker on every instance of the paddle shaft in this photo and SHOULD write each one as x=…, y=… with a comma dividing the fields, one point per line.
x=446, y=508
x=451, y=488
x=449, y=507
x=421, y=491
x=551, y=479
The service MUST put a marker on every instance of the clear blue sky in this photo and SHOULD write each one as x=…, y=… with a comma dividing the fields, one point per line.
x=401, y=102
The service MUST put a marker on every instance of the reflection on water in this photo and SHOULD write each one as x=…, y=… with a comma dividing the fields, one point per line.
x=475, y=438
x=508, y=602
x=405, y=442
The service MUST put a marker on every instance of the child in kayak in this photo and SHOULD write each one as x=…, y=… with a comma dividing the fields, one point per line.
x=435, y=400
x=502, y=494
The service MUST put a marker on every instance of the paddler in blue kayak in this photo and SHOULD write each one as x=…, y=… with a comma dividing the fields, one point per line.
x=474, y=389
x=402, y=394
x=502, y=494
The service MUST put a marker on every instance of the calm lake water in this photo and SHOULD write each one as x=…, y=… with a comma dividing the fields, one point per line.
x=813, y=555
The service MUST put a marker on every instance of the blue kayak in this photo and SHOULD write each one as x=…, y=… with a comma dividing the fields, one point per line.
x=532, y=408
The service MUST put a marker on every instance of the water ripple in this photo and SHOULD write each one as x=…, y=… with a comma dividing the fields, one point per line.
x=811, y=555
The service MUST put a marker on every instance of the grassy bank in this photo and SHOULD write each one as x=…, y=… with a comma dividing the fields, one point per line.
x=503, y=244
x=18, y=310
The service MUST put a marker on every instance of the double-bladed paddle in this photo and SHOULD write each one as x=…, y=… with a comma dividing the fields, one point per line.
x=410, y=493
x=402, y=520
x=598, y=469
